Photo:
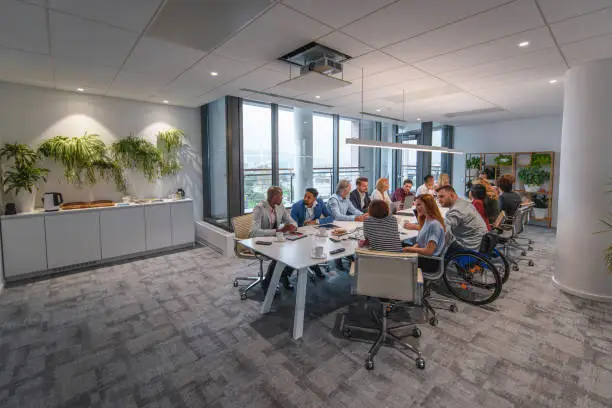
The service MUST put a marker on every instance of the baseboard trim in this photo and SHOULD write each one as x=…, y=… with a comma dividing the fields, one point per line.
x=580, y=293
x=1, y=286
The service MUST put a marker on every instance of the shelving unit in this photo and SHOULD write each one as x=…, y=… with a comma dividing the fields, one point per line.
x=520, y=160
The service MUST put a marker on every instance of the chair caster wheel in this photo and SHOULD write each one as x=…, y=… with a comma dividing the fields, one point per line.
x=433, y=321
x=523, y=253
x=416, y=332
x=243, y=296
x=515, y=268
x=453, y=308
x=531, y=263
x=369, y=365
x=530, y=241
x=530, y=248
x=347, y=333
x=235, y=283
x=420, y=363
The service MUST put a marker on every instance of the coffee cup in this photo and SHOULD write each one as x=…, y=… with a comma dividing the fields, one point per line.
x=318, y=251
x=322, y=232
x=280, y=236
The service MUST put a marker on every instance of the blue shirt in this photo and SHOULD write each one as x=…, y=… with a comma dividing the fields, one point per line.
x=432, y=231
x=320, y=212
x=342, y=209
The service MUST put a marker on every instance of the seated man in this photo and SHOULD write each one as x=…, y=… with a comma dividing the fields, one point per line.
x=311, y=211
x=427, y=187
x=270, y=217
x=341, y=208
x=400, y=193
x=462, y=220
x=359, y=196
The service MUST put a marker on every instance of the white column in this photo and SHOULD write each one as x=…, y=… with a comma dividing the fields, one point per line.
x=302, y=131
x=585, y=168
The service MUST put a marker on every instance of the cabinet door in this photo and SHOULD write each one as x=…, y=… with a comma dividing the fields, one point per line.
x=123, y=231
x=23, y=245
x=159, y=226
x=183, y=224
x=72, y=238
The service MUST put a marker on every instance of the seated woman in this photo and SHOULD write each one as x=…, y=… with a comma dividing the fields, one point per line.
x=443, y=180
x=509, y=201
x=491, y=205
x=430, y=240
x=478, y=195
x=380, y=228
x=381, y=192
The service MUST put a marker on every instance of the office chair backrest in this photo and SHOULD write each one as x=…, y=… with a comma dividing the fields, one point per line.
x=488, y=243
x=500, y=219
x=387, y=275
x=242, y=230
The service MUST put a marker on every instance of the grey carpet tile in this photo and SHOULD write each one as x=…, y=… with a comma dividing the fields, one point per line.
x=170, y=331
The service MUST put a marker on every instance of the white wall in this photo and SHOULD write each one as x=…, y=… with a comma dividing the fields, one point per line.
x=525, y=135
x=30, y=115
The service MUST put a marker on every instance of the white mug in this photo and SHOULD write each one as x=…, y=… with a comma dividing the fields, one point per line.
x=318, y=251
x=322, y=232
x=280, y=236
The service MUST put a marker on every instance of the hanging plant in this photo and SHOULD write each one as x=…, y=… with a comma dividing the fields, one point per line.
x=473, y=162
x=138, y=154
x=540, y=159
x=169, y=143
x=504, y=160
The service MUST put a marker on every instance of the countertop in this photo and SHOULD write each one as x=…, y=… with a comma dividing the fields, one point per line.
x=42, y=212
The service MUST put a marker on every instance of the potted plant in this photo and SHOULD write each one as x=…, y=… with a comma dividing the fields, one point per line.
x=541, y=206
x=23, y=177
x=473, y=165
x=504, y=160
x=533, y=177
x=540, y=159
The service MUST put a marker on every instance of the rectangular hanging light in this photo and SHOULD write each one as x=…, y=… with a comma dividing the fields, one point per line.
x=390, y=145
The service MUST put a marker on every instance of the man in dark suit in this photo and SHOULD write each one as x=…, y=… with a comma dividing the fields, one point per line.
x=359, y=196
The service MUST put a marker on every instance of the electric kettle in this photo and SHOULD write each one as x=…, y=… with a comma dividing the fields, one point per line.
x=52, y=201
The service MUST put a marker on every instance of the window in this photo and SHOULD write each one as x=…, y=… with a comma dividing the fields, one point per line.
x=322, y=154
x=257, y=148
x=217, y=166
x=287, y=155
x=386, y=155
x=353, y=159
x=436, y=157
x=408, y=158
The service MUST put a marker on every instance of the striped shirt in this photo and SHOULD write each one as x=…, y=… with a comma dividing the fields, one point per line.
x=382, y=234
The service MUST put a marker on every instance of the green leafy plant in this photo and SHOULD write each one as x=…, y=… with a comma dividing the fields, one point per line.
x=169, y=143
x=85, y=159
x=138, y=154
x=540, y=201
x=504, y=160
x=473, y=162
x=540, y=159
x=607, y=221
x=23, y=175
x=533, y=175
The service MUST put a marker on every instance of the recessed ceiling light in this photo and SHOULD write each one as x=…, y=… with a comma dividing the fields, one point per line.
x=552, y=81
x=317, y=97
x=165, y=101
x=523, y=44
x=80, y=89
x=378, y=110
x=214, y=73
x=419, y=119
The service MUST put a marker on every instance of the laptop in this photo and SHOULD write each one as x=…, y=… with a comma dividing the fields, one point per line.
x=408, y=202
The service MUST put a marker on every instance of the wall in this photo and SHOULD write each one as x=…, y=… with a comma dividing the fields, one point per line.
x=30, y=115
x=525, y=135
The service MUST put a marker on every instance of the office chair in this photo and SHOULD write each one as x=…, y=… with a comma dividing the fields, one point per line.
x=242, y=230
x=394, y=279
x=509, y=236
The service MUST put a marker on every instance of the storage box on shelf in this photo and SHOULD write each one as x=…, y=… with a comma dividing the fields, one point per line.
x=46, y=242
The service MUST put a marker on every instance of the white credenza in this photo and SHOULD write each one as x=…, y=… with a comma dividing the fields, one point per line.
x=40, y=242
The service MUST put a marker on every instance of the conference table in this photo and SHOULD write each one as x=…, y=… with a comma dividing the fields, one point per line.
x=299, y=255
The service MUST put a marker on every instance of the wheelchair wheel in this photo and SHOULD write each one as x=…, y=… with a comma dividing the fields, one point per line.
x=501, y=264
x=472, y=278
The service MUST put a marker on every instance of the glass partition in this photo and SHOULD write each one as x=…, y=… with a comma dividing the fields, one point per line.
x=257, y=152
x=322, y=154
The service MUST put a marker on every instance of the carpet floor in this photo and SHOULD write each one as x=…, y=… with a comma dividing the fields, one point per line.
x=171, y=331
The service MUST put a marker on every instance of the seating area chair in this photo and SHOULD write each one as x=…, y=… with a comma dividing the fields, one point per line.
x=510, y=238
x=393, y=278
x=242, y=230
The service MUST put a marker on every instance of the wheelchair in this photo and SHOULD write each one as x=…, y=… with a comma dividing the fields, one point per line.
x=472, y=276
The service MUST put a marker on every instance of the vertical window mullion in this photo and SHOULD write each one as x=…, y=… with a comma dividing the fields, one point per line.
x=336, y=152
x=274, y=147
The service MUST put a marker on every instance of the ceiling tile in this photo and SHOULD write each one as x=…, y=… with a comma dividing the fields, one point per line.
x=134, y=85
x=583, y=27
x=584, y=51
x=25, y=67
x=503, y=48
x=408, y=18
x=546, y=57
x=392, y=76
x=260, y=80
x=371, y=63
x=72, y=75
x=557, y=10
x=502, y=21
x=23, y=27
x=345, y=44
x=86, y=41
x=539, y=74
x=339, y=12
x=132, y=15
x=279, y=31
x=157, y=57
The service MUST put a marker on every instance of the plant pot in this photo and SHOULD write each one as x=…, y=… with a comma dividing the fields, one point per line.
x=540, y=212
x=532, y=188
x=24, y=201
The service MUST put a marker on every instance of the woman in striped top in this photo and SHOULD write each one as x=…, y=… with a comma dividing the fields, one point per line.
x=380, y=228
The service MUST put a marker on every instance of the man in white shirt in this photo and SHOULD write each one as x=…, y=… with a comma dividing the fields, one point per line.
x=427, y=187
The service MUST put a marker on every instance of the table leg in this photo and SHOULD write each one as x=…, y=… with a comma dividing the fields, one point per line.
x=267, y=304
x=300, y=303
